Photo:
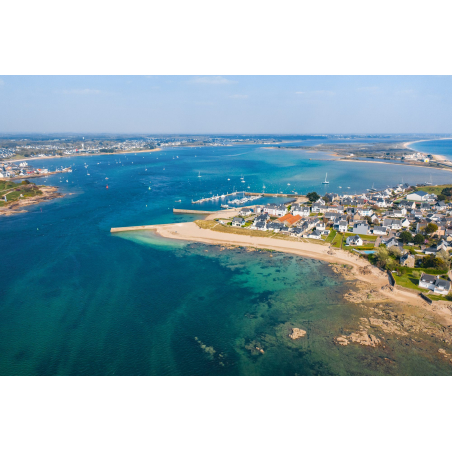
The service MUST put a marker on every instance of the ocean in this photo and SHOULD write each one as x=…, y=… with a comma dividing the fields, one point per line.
x=439, y=147
x=77, y=300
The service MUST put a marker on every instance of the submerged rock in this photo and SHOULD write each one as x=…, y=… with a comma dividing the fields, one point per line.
x=297, y=333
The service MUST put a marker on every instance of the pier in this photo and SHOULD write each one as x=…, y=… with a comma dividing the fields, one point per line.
x=134, y=228
x=271, y=195
x=200, y=212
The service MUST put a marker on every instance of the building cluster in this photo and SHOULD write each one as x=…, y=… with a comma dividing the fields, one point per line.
x=12, y=170
x=367, y=220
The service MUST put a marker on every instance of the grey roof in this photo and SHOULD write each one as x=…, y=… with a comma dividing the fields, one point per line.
x=428, y=278
x=420, y=193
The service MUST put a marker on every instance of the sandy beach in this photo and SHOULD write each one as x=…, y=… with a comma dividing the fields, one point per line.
x=378, y=279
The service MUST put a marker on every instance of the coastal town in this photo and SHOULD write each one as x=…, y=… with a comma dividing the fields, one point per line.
x=405, y=230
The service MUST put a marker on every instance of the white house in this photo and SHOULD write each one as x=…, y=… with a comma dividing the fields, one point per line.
x=260, y=226
x=275, y=210
x=365, y=212
x=238, y=221
x=341, y=226
x=303, y=211
x=434, y=283
x=379, y=230
x=315, y=235
x=417, y=196
x=354, y=240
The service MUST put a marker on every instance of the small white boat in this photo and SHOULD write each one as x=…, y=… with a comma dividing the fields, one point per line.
x=325, y=181
x=199, y=175
x=106, y=178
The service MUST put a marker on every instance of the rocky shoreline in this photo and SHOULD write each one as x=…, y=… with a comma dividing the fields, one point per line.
x=15, y=207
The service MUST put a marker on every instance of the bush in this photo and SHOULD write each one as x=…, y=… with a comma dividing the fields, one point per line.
x=431, y=227
x=406, y=237
x=419, y=239
x=447, y=192
x=313, y=196
x=415, y=274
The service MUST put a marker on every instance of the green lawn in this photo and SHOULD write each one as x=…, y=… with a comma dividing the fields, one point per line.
x=436, y=189
x=13, y=191
x=336, y=242
x=331, y=235
x=409, y=281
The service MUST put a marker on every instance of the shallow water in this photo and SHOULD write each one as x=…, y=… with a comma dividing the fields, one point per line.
x=77, y=300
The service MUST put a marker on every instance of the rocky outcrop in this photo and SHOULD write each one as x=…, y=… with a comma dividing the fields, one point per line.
x=297, y=333
x=445, y=355
x=361, y=337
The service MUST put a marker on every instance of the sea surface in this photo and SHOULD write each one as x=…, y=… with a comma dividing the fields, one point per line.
x=439, y=147
x=78, y=300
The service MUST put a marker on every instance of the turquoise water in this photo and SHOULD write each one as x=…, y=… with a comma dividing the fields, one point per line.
x=77, y=300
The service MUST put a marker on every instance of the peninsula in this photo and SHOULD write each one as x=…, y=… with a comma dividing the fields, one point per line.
x=16, y=196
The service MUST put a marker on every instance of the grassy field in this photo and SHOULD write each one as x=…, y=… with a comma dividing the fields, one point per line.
x=408, y=280
x=336, y=242
x=436, y=189
x=331, y=235
x=13, y=191
x=210, y=224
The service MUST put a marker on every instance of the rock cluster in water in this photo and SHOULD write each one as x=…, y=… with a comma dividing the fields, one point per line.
x=297, y=333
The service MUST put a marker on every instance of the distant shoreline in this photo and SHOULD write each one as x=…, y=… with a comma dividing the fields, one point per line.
x=26, y=159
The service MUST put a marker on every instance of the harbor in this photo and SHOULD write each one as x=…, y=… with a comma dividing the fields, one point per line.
x=246, y=197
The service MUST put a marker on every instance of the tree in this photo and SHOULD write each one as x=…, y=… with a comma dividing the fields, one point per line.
x=419, y=239
x=445, y=257
x=313, y=196
x=441, y=197
x=394, y=251
x=447, y=192
x=406, y=236
x=430, y=228
x=382, y=257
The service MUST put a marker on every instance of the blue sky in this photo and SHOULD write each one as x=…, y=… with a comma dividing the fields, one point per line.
x=226, y=104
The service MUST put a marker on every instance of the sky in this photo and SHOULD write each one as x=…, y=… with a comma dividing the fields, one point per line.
x=215, y=104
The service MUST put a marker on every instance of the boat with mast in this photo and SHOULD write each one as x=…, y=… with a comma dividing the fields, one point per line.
x=326, y=179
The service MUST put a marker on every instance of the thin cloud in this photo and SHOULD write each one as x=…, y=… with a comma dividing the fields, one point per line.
x=368, y=88
x=320, y=92
x=239, y=96
x=212, y=80
x=80, y=91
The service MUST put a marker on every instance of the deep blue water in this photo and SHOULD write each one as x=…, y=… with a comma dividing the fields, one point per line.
x=440, y=147
x=77, y=300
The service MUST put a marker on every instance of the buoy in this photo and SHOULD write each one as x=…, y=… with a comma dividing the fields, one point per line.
x=106, y=187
